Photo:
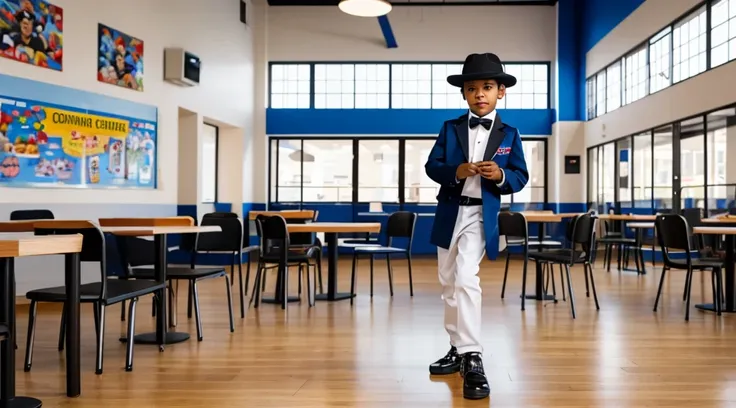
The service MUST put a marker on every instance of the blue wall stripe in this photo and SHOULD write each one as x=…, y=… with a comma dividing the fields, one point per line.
x=569, y=98
x=391, y=121
x=60, y=95
x=388, y=33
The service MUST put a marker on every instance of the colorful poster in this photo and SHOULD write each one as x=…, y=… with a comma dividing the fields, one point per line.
x=48, y=145
x=31, y=31
x=120, y=59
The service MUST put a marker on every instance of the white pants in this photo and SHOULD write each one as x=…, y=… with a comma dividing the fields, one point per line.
x=458, y=274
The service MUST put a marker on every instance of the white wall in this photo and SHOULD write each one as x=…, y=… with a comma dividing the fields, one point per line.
x=211, y=29
x=691, y=97
x=422, y=33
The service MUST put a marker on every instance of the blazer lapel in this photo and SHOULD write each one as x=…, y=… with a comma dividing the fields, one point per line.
x=461, y=129
x=494, y=139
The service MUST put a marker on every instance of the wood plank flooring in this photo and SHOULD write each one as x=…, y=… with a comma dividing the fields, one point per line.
x=376, y=352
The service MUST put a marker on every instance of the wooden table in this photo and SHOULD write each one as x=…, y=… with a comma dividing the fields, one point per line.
x=161, y=336
x=730, y=278
x=13, y=246
x=626, y=217
x=287, y=215
x=331, y=230
x=542, y=218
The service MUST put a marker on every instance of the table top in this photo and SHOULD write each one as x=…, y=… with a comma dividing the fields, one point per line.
x=720, y=220
x=19, y=246
x=539, y=216
x=715, y=230
x=643, y=225
x=288, y=215
x=627, y=217
x=28, y=226
x=335, y=227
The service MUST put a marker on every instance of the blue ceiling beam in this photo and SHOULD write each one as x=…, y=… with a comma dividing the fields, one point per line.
x=388, y=33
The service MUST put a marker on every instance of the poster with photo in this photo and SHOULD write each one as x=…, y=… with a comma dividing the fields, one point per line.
x=120, y=58
x=31, y=31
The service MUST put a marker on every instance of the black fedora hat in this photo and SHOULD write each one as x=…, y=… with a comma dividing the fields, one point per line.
x=482, y=66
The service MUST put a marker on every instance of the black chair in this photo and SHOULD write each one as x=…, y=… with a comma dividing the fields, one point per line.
x=581, y=235
x=108, y=291
x=672, y=234
x=400, y=224
x=24, y=215
x=139, y=257
x=514, y=227
x=276, y=252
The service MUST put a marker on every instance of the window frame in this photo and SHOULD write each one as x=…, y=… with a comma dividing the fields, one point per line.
x=217, y=163
x=355, y=167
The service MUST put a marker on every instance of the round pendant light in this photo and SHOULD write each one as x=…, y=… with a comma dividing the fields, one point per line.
x=365, y=8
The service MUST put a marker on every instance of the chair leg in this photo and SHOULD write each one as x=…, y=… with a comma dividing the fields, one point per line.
x=240, y=286
x=689, y=290
x=523, y=280
x=310, y=299
x=247, y=272
x=562, y=283
x=319, y=271
x=190, y=300
x=256, y=295
x=587, y=286
x=101, y=337
x=232, y=268
x=589, y=268
x=352, y=279
x=62, y=329
x=230, y=302
x=411, y=280
x=197, y=316
x=554, y=285
x=718, y=300
x=659, y=289
x=172, y=303
x=131, y=335
x=371, y=275
x=505, y=273
x=569, y=290
x=390, y=274
x=33, y=308
x=122, y=311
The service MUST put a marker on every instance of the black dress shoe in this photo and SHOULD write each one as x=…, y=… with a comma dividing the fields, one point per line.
x=475, y=384
x=448, y=364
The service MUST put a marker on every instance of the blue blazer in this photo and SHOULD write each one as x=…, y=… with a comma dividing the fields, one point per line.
x=449, y=151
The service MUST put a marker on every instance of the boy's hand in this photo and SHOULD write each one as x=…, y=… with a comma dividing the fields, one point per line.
x=490, y=170
x=466, y=170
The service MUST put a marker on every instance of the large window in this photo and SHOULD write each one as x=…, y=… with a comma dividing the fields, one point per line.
x=721, y=144
x=642, y=170
x=662, y=167
x=688, y=46
x=209, y=163
x=419, y=188
x=613, y=87
x=723, y=32
x=692, y=162
x=411, y=86
x=290, y=86
x=313, y=170
x=635, y=75
x=659, y=61
x=531, y=90
x=623, y=181
x=348, y=86
x=444, y=95
x=590, y=97
x=600, y=92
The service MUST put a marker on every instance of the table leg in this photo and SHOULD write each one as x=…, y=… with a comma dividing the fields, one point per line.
x=278, y=297
x=162, y=336
x=332, y=293
x=539, y=275
x=72, y=267
x=729, y=281
x=7, y=352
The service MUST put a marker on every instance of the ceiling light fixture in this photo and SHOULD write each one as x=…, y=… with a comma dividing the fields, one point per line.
x=365, y=8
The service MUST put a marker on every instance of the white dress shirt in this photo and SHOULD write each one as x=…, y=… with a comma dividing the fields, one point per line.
x=477, y=141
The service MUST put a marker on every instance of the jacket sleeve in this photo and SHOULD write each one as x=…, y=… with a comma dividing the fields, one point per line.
x=516, y=174
x=437, y=167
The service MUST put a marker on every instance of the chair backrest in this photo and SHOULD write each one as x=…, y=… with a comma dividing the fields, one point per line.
x=230, y=238
x=93, y=242
x=513, y=225
x=274, y=235
x=401, y=224
x=40, y=214
x=673, y=233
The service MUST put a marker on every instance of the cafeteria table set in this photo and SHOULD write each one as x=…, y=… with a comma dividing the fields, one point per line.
x=17, y=240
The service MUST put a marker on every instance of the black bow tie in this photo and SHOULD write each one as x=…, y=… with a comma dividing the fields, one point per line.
x=475, y=121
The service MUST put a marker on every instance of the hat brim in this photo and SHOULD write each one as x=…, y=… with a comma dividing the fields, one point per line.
x=502, y=78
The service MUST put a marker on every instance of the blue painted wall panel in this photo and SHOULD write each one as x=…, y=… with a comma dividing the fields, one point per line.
x=391, y=121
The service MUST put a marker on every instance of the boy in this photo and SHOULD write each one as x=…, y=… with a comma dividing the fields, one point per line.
x=475, y=159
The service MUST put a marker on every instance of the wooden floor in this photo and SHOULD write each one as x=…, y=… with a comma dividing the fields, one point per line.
x=377, y=351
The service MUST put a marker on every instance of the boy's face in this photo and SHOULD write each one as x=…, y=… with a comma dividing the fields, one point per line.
x=482, y=95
